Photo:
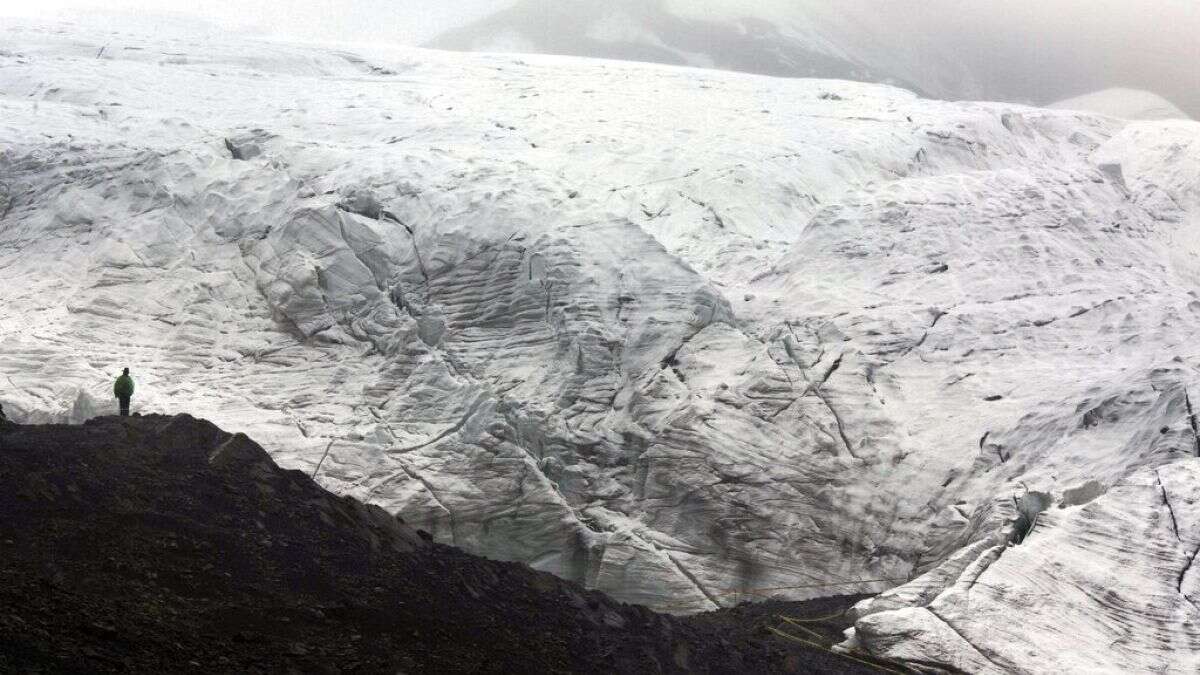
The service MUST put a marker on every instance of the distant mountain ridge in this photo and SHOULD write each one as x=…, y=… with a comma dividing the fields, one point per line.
x=1130, y=104
x=933, y=50
x=806, y=41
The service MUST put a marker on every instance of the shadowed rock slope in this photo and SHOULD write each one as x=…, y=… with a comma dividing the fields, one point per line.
x=163, y=544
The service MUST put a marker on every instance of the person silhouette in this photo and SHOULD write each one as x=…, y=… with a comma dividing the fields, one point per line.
x=123, y=390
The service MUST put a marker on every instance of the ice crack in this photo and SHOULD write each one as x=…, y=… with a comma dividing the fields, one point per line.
x=432, y=494
x=455, y=428
x=720, y=222
x=815, y=389
x=970, y=644
x=322, y=462
x=1187, y=399
x=1175, y=528
x=937, y=316
x=692, y=578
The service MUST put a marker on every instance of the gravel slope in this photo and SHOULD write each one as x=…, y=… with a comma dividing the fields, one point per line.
x=162, y=544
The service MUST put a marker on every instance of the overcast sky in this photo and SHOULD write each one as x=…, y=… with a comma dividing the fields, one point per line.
x=1021, y=49
x=1068, y=47
x=405, y=21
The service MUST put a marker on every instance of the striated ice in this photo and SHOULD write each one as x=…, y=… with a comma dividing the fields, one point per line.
x=691, y=338
x=1101, y=587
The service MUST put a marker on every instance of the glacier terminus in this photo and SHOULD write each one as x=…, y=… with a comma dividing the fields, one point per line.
x=688, y=337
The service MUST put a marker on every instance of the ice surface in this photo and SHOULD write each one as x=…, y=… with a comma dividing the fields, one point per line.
x=688, y=337
x=1102, y=587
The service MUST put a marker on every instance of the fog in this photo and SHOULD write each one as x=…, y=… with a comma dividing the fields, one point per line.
x=408, y=22
x=1024, y=51
x=1050, y=49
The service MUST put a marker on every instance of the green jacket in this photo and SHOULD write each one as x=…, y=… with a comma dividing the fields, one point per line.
x=123, y=387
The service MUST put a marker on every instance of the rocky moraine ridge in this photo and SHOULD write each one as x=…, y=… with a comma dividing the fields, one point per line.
x=164, y=544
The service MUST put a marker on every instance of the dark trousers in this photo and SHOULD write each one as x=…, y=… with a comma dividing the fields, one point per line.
x=124, y=405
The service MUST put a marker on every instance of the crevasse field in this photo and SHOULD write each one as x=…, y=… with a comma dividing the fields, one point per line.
x=692, y=338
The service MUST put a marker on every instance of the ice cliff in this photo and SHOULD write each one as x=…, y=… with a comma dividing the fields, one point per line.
x=690, y=338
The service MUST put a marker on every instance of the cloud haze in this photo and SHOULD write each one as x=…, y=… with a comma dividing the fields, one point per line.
x=1053, y=49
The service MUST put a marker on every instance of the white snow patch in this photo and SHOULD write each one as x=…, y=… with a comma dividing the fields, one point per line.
x=1130, y=104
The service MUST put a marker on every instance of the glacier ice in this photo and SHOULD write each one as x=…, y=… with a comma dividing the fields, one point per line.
x=691, y=338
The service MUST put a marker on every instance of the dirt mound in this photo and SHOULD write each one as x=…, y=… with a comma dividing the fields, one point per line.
x=163, y=544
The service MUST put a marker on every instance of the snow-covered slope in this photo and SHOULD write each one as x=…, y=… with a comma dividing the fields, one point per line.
x=792, y=38
x=1130, y=104
x=688, y=337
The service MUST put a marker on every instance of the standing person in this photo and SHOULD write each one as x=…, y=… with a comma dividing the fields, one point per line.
x=123, y=389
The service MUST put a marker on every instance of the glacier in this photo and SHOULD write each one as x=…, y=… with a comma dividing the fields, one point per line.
x=688, y=337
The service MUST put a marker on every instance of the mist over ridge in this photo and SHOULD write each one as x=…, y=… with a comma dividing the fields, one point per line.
x=990, y=50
